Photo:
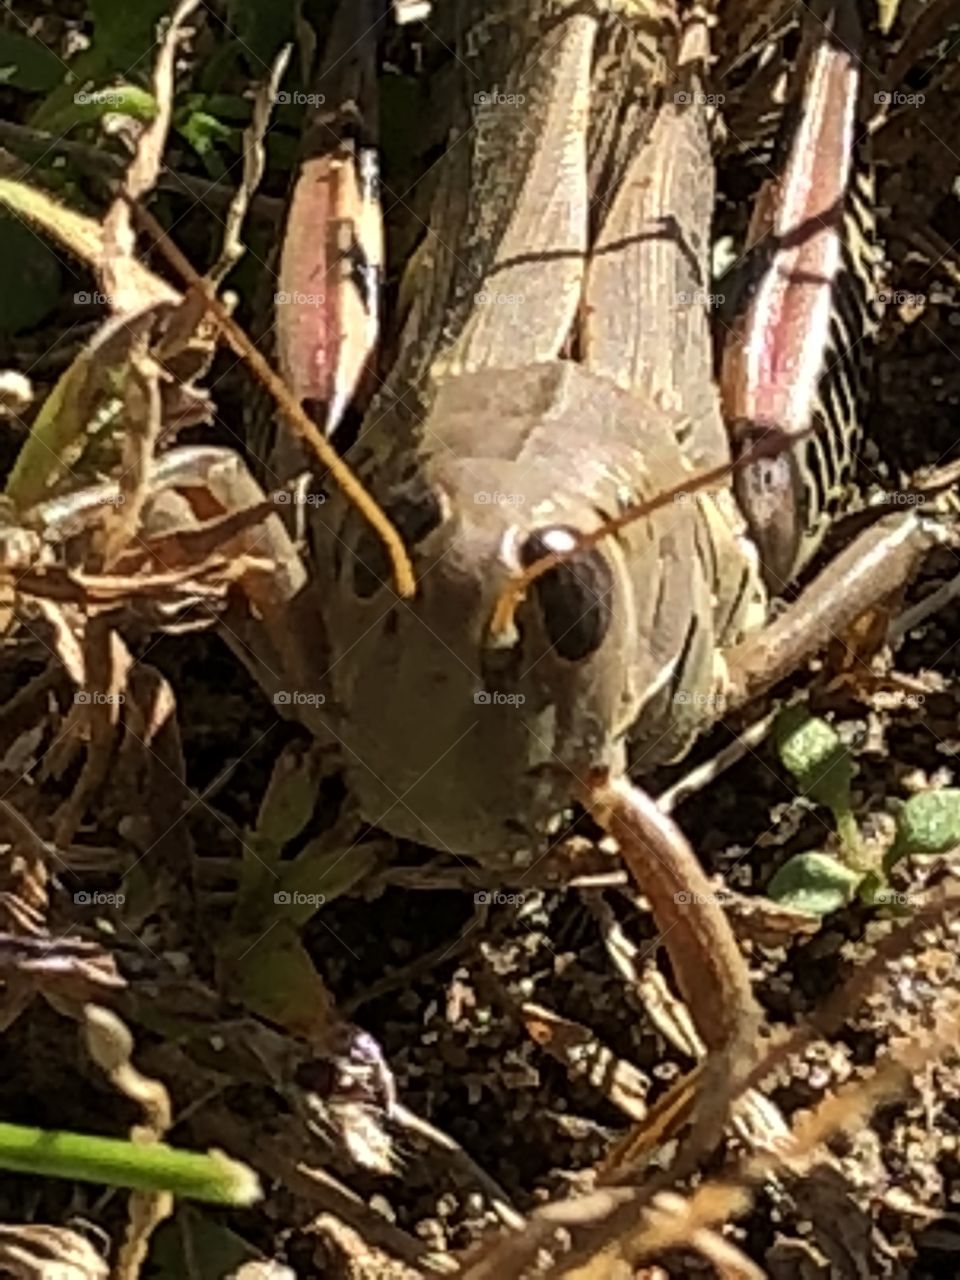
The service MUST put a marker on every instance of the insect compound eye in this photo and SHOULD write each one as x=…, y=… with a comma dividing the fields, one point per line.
x=574, y=597
x=415, y=515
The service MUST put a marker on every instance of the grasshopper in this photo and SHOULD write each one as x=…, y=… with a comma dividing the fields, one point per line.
x=552, y=373
x=555, y=371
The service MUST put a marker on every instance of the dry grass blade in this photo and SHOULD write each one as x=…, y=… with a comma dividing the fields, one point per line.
x=107, y=664
x=582, y=1054
x=291, y=410
x=119, y=236
x=33, y=1251
x=615, y=1224
x=133, y=289
x=717, y=1202
x=110, y=1045
x=254, y=163
x=141, y=395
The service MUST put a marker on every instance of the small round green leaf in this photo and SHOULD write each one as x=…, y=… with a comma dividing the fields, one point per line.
x=814, y=882
x=812, y=751
x=927, y=823
x=805, y=742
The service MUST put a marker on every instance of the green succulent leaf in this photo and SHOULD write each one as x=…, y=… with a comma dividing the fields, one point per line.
x=927, y=823
x=811, y=749
x=817, y=883
x=813, y=752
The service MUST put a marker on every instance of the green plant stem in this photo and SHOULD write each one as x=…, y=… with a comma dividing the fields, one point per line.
x=851, y=840
x=147, y=1166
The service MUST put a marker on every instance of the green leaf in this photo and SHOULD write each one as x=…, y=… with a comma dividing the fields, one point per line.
x=206, y=134
x=59, y=434
x=88, y=105
x=318, y=874
x=195, y=1244
x=228, y=108
x=124, y=40
x=813, y=752
x=125, y=33
x=811, y=749
x=817, y=883
x=261, y=27
x=287, y=804
x=271, y=973
x=83, y=237
x=28, y=64
x=876, y=891
x=928, y=823
x=30, y=277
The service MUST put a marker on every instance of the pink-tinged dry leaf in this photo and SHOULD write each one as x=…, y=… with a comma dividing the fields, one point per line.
x=66, y=971
x=326, y=304
x=771, y=369
x=67, y=960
